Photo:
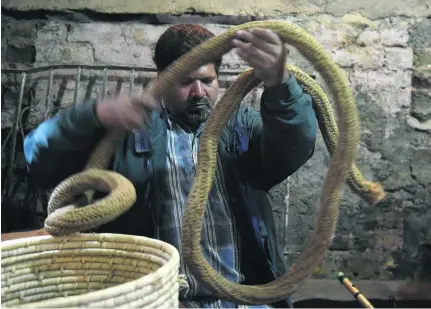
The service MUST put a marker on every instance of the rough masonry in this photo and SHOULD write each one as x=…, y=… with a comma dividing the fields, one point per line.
x=387, y=60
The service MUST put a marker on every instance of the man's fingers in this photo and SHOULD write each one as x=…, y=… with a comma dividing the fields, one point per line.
x=244, y=36
x=148, y=94
x=265, y=34
x=247, y=39
x=256, y=58
x=128, y=114
x=146, y=99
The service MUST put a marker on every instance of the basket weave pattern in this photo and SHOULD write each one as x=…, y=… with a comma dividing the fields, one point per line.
x=89, y=270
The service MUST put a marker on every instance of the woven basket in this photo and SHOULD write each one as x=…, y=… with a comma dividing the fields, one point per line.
x=90, y=270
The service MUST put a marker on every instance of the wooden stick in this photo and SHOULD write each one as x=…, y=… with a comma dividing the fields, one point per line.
x=356, y=293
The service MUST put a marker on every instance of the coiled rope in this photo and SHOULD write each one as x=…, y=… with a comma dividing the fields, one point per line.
x=342, y=143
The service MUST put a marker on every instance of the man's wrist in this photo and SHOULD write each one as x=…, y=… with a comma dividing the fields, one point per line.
x=279, y=81
x=288, y=91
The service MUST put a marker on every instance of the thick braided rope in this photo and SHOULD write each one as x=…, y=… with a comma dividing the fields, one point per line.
x=72, y=219
x=342, y=159
x=69, y=221
x=343, y=153
x=65, y=220
x=369, y=191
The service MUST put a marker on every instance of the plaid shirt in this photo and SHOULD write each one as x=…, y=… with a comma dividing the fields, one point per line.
x=220, y=238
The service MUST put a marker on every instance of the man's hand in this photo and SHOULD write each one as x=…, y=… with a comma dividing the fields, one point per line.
x=127, y=112
x=264, y=51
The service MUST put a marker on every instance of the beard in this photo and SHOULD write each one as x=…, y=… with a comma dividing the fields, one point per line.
x=197, y=111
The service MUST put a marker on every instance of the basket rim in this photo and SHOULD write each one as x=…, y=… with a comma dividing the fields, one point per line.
x=170, y=267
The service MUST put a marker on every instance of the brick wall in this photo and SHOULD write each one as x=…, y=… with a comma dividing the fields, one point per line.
x=387, y=63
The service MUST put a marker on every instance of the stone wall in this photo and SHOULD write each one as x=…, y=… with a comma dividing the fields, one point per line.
x=387, y=61
x=370, y=8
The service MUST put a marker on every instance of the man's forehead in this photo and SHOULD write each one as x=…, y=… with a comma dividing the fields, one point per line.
x=205, y=70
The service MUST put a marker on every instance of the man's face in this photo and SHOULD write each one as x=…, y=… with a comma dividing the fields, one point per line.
x=193, y=98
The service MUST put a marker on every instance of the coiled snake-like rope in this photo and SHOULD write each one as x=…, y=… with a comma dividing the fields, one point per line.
x=342, y=145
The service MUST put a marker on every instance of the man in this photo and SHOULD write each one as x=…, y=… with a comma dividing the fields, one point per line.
x=159, y=155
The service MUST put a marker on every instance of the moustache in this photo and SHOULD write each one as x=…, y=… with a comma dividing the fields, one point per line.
x=193, y=102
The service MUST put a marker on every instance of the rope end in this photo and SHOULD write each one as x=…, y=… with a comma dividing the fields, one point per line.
x=376, y=193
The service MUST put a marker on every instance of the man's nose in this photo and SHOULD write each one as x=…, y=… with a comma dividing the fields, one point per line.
x=197, y=89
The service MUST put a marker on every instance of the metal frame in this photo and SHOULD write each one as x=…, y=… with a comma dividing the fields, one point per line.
x=26, y=72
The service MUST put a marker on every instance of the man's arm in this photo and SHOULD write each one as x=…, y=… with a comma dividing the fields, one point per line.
x=283, y=135
x=283, y=138
x=60, y=146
